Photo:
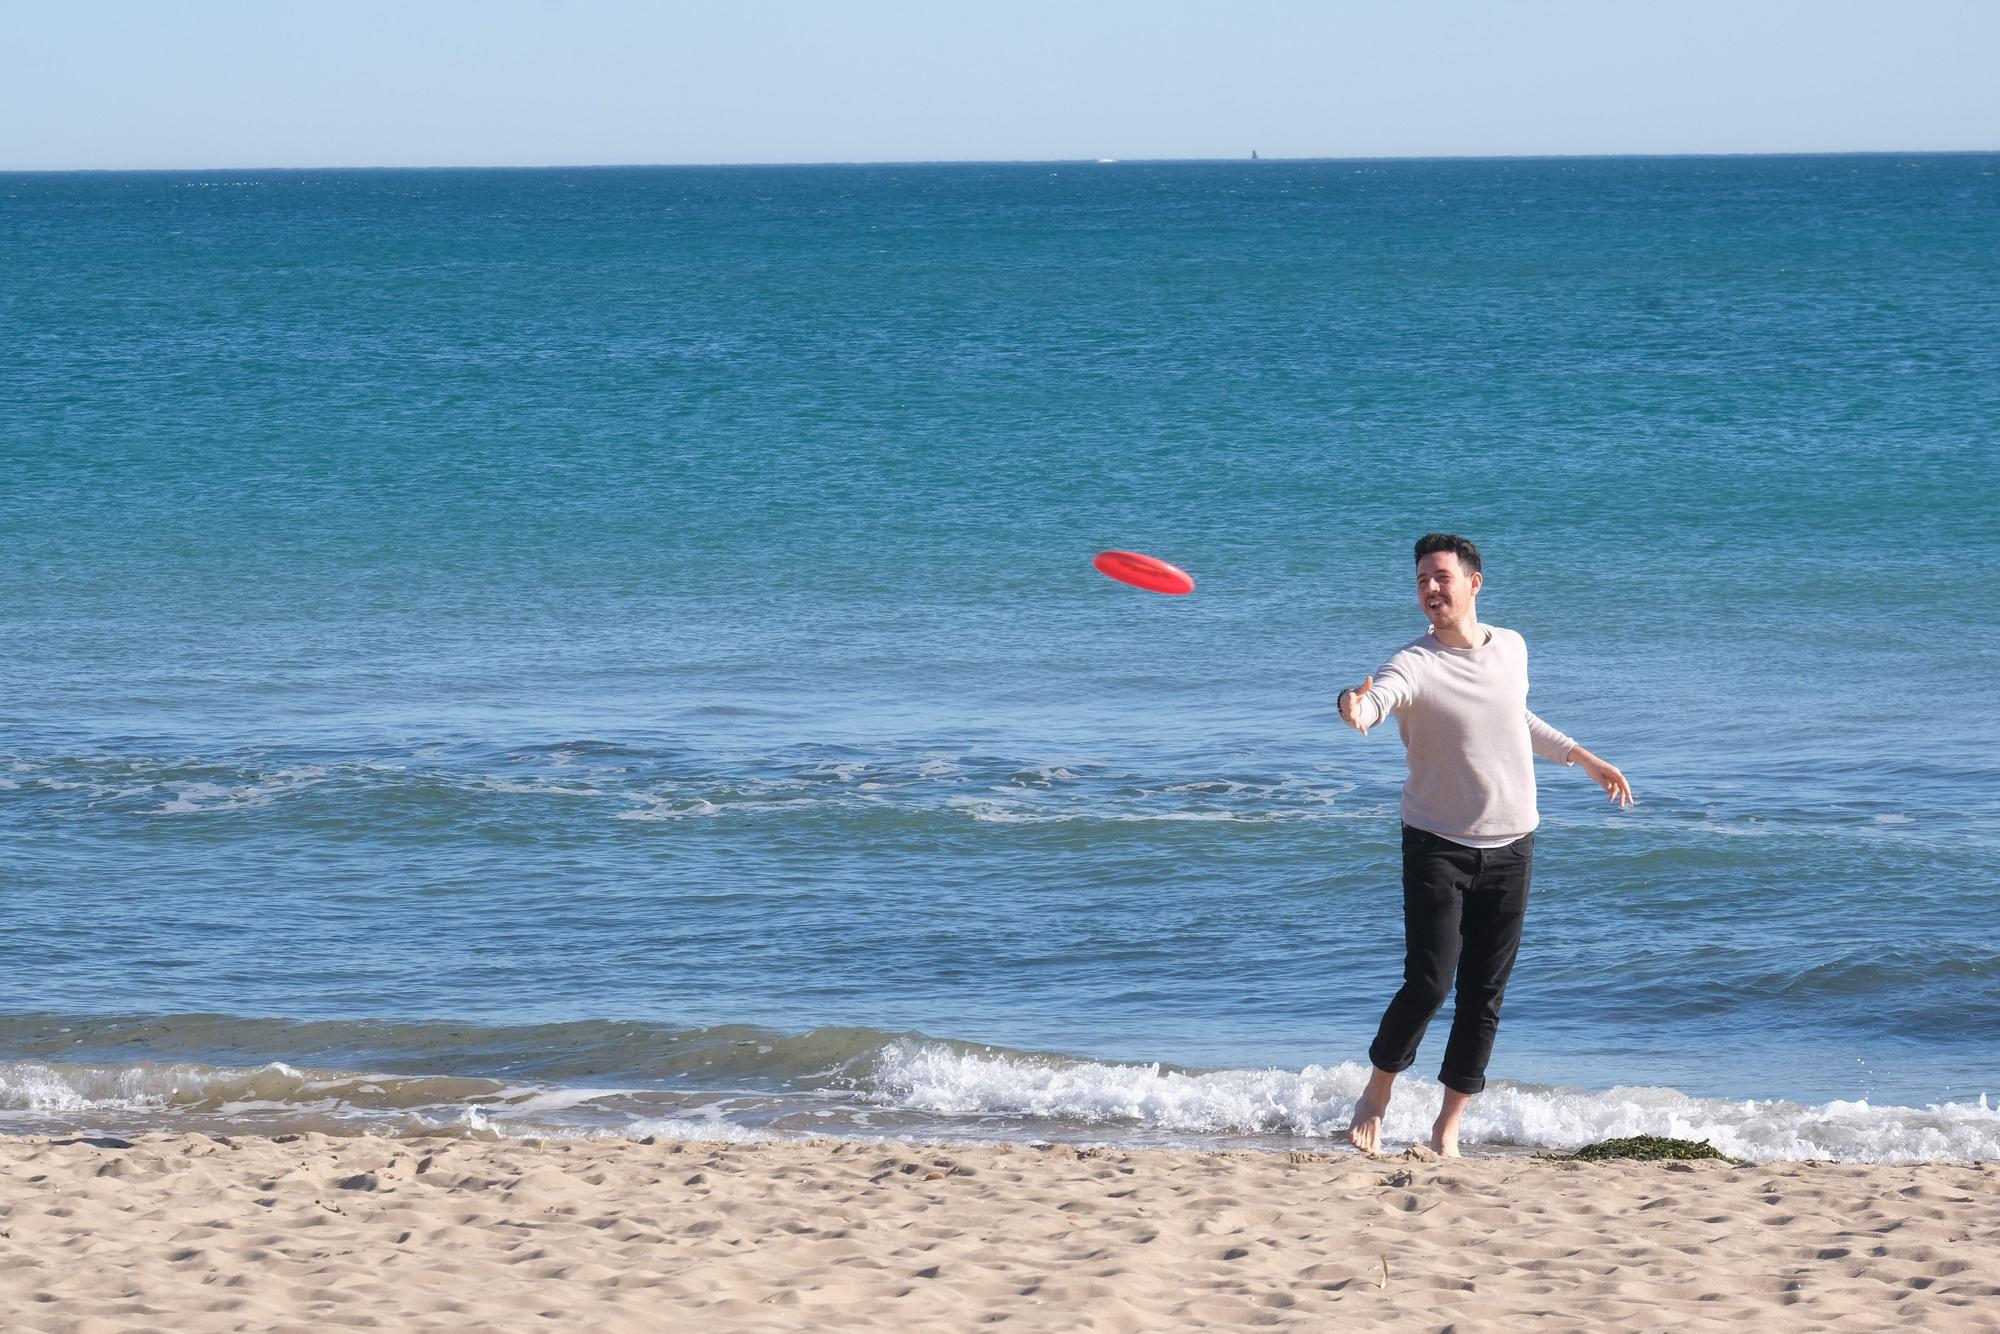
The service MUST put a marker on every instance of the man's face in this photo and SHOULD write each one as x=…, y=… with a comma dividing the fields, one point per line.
x=1444, y=590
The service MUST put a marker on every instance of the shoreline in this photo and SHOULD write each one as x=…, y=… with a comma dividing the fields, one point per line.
x=674, y=1131
x=694, y=1084
x=198, y=1232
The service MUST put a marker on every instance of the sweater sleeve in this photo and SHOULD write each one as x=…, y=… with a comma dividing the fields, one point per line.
x=1395, y=685
x=1549, y=743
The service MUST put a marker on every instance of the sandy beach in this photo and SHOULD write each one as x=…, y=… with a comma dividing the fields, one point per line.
x=192, y=1233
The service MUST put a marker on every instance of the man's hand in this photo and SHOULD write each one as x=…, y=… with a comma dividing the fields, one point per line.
x=1350, y=705
x=1606, y=776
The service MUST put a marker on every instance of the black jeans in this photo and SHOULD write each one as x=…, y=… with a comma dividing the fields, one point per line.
x=1462, y=910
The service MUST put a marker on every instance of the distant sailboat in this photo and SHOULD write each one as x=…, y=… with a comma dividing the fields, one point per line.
x=1253, y=155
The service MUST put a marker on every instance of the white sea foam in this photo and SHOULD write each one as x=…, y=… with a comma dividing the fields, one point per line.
x=843, y=772
x=681, y=1128
x=520, y=1122
x=1318, y=1102
x=989, y=1095
x=201, y=795
x=513, y=788
x=477, y=1120
x=1040, y=776
x=36, y=1095
x=992, y=812
x=473, y=1119
x=684, y=808
x=33, y=1086
x=667, y=808
x=988, y=810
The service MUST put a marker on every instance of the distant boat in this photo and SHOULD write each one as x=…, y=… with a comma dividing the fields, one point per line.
x=1253, y=155
x=1107, y=159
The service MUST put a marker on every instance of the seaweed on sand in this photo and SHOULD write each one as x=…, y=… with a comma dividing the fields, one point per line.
x=1648, y=1148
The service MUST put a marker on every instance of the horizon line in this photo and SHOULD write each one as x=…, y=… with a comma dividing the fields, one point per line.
x=1018, y=162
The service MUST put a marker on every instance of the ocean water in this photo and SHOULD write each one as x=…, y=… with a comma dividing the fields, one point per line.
x=616, y=652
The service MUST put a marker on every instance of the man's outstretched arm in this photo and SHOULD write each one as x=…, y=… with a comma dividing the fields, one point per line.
x=1606, y=775
x=1553, y=745
x=1369, y=703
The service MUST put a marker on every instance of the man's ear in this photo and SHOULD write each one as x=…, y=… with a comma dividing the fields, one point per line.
x=1478, y=580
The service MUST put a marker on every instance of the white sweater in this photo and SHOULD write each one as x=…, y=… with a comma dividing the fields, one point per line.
x=1470, y=738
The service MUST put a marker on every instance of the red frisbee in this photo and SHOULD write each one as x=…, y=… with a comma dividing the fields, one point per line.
x=1147, y=572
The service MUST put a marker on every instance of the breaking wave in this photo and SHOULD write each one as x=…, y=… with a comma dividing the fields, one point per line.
x=737, y=1082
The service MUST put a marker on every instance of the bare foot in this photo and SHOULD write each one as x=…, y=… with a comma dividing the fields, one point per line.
x=1365, y=1133
x=1444, y=1134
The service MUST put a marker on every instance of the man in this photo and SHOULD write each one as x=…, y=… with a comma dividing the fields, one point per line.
x=1460, y=696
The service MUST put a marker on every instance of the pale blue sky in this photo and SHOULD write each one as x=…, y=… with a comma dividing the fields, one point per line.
x=211, y=83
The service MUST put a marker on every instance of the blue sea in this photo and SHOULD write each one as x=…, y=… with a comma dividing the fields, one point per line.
x=616, y=652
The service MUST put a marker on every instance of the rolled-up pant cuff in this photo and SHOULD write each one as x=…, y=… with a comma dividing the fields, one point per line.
x=1390, y=1065
x=1462, y=1083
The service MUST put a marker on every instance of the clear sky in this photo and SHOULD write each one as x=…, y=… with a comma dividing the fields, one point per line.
x=213, y=83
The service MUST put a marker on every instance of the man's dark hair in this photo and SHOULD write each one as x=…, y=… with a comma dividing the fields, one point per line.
x=1468, y=554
